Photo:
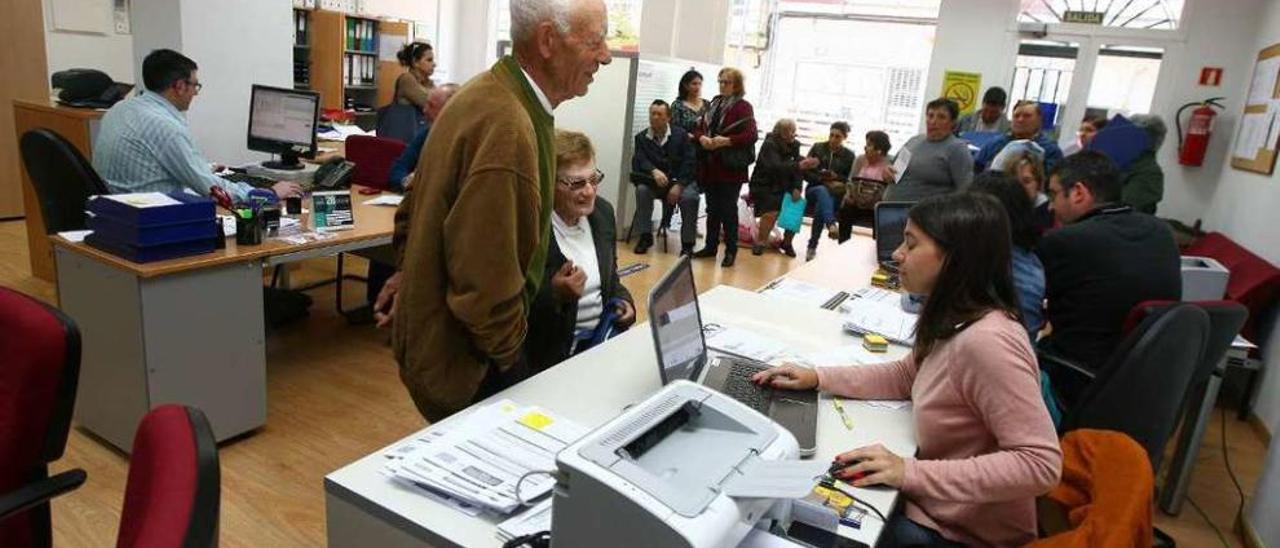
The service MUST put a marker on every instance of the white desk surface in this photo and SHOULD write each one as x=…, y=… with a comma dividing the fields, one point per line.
x=595, y=386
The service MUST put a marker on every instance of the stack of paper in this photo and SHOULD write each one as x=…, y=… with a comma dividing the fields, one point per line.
x=745, y=343
x=479, y=459
x=534, y=520
x=875, y=310
x=806, y=293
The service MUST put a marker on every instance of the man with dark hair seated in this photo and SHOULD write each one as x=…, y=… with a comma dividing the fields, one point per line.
x=145, y=145
x=1027, y=122
x=1106, y=259
x=662, y=169
x=990, y=118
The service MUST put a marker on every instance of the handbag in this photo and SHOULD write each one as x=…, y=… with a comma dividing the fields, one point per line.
x=739, y=157
x=792, y=214
x=866, y=193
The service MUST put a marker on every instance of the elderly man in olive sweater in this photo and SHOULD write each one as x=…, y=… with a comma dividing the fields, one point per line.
x=478, y=222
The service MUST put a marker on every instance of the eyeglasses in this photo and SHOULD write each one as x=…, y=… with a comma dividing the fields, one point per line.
x=578, y=184
x=195, y=84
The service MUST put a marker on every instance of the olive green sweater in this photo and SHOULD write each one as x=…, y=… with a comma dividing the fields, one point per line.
x=474, y=232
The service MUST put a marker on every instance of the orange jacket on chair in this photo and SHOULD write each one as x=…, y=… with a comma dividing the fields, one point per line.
x=1106, y=488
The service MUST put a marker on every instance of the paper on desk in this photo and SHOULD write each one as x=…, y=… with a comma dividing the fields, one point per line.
x=744, y=343
x=75, y=236
x=775, y=479
x=340, y=132
x=892, y=405
x=1241, y=342
x=900, y=164
x=306, y=237
x=386, y=200
x=803, y=292
x=533, y=520
x=877, y=314
x=852, y=354
x=482, y=456
x=144, y=199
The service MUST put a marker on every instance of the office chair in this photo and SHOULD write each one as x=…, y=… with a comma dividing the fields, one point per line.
x=38, y=378
x=1141, y=389
x=399, y=122
x=172, y=495
x=373, y=157
x=1225, y=320
x=63, y=179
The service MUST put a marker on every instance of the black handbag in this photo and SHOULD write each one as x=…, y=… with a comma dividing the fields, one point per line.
x=738, y=157
x=866, y=193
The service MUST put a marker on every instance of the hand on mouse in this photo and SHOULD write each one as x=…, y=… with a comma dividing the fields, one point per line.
x=871, y=465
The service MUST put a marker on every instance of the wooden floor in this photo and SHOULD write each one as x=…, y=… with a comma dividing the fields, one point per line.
x=334, y=396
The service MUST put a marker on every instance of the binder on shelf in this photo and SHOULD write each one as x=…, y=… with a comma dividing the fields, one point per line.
x=153, y=208
x=351, y=34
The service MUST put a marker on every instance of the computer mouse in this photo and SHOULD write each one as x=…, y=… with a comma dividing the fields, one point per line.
x=837, y=466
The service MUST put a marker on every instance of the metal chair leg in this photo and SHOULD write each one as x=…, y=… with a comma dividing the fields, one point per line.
x=1199, y=411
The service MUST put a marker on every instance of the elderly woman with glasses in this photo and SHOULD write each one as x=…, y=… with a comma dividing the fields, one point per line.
x=581, y=301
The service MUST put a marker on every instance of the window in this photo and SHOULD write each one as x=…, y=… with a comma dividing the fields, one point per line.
x=624, y=23
x=1129, y=14
x=799, y=62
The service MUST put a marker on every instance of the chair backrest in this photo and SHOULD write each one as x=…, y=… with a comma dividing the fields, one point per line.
x=373, y=157
x=172, y=496
x=1253, y=282
x=38, y=375
x=62, y=177
x=1226, y=318
x=399, y=122
x=1141, y=388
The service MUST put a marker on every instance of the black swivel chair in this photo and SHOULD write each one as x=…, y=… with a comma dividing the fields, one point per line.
x=63, y=179
x=1141, y=389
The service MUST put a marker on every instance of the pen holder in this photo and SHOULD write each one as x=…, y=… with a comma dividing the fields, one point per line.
x=271, y=220
x=249, y=227
x=293, y=205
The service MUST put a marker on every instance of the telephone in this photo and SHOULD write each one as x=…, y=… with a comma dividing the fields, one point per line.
x=334, y=174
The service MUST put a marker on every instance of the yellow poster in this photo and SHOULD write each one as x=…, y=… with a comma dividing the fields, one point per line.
x=963, y=88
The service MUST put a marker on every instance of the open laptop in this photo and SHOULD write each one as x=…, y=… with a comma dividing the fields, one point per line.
x=681, y=346
x=890, y=221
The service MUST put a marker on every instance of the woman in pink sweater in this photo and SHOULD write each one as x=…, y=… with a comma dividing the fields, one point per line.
x=987, y=446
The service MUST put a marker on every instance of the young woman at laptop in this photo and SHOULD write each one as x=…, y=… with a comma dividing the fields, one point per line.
x=987, y=447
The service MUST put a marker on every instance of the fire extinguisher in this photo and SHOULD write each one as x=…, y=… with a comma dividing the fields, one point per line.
x=1193, y=144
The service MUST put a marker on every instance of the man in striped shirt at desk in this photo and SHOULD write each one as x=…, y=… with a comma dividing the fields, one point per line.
x=144, y=144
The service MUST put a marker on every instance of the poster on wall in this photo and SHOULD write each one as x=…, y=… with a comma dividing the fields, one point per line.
x=962, y=87
x=1258, y=135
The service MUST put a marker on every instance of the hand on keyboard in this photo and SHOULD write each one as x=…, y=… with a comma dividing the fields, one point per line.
x=787, y=377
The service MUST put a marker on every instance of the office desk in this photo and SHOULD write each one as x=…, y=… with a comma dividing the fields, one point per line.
x=187, y=330
x=365, y=508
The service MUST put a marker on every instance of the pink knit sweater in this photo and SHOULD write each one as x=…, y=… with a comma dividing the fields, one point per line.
x=987, y=446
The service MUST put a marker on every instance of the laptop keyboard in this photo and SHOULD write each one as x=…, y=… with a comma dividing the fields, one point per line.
x=739, y=387
x=252, y=180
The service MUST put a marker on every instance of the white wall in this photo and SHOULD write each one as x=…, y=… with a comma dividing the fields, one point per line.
x=409, y=10
x=110, y=52
x=1265, y=505
x=604, y=114
x=974, y=36
x=685, y=30
x=464, y=49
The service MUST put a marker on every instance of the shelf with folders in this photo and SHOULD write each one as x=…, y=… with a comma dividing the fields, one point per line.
x=301, y=49
x=344, y=60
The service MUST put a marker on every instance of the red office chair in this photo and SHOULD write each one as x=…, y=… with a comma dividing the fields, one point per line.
x=373, y=157
x=38, y=376
x=173, y=495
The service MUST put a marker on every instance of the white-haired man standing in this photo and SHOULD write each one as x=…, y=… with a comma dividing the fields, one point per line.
x=478, y=223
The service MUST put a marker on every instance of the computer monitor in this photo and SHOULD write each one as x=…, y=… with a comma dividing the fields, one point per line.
x=890, y=221
x=283, y=121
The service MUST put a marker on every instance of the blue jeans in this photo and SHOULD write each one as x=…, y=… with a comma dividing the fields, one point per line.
x=902, y=532
x=824, y=211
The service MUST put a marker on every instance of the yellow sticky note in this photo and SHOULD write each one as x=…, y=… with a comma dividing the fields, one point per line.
x=536, y=420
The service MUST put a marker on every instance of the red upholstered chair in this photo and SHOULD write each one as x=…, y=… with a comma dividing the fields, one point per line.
x=39, y=369
x=173, y=495
x=373, y=157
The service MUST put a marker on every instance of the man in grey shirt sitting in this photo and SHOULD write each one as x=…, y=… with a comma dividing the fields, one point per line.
x=940, y=162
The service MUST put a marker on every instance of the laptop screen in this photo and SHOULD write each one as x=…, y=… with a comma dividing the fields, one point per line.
x=677, y=324
x=891, y=220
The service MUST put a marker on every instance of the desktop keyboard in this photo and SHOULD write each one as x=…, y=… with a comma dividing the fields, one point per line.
x=251, y=180
x=739, y=387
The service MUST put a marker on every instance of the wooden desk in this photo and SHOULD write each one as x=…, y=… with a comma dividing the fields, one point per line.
x=77, y=125
x=188, y=330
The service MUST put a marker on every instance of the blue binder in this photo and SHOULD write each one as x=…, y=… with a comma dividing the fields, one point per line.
x=136, y=209
x=120, y=231
x=147, y=254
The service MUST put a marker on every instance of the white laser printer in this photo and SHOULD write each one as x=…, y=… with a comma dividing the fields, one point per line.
x=659, y=473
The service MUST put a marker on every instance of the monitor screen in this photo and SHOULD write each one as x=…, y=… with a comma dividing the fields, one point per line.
x=677, y=324
x=282, y=118
x=890, y=221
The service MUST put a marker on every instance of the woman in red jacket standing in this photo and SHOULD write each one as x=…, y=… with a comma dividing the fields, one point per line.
x=726, y=140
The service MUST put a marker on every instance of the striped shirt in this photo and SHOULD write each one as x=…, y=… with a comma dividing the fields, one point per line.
x=145, y=145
